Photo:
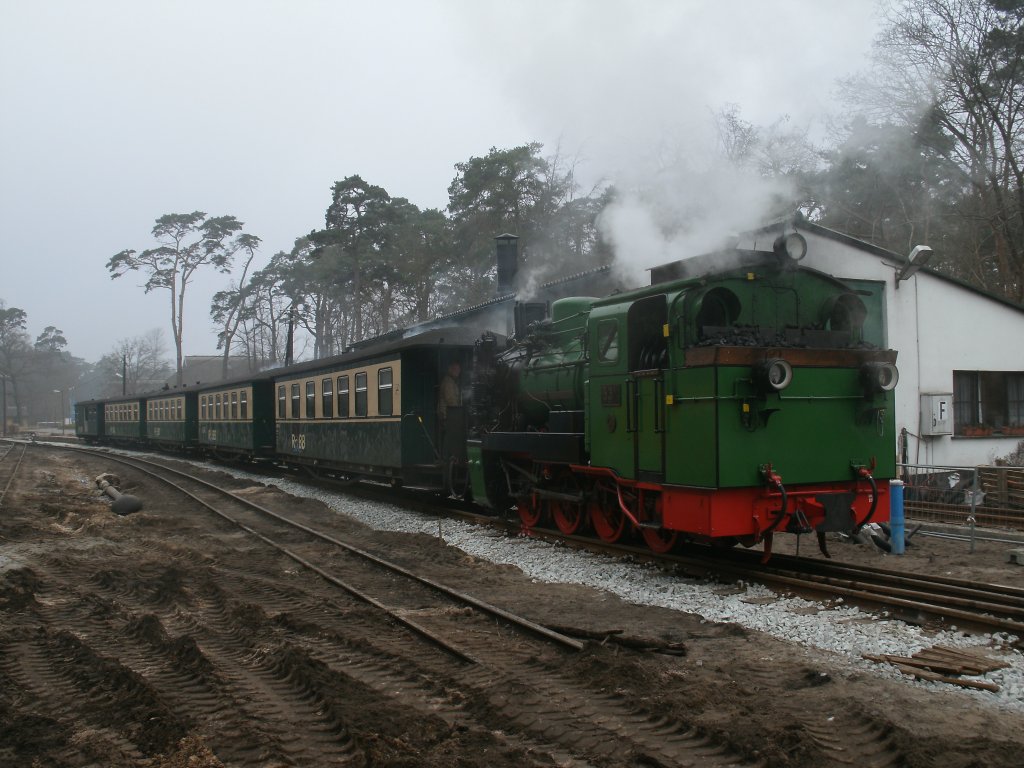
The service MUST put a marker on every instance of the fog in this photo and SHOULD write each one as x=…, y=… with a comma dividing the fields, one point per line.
x=119, y=112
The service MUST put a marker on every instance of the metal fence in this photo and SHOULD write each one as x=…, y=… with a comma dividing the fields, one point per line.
x=988, y=496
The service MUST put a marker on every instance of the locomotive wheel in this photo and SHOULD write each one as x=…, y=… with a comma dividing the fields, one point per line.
x=568, y=517
x=659, y=540
x=608, y=521
x=530, y=514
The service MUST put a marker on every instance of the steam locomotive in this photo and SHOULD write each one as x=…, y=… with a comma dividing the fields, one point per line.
x=739, y=395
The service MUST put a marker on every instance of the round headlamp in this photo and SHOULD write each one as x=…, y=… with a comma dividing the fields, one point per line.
x=775, y=374
x=793, y=246
x=880, y=377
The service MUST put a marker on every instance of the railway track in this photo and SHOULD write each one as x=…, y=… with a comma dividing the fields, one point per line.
x=485, y=659
x=11, y=456
x=915, y=598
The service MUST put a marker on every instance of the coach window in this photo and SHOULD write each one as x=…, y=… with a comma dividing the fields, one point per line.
x=282, y=400
x=295, y=401
x=385, y=398
x=310, y=399
x=361, y=394
x=343, y=397
x=243, y=404
x=219, y=410
x=327, y=397
x=202, y=407
x=177, y=410
x=234, y=405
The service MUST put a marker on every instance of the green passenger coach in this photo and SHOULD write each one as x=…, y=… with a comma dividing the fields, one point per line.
x=373, y=412
x=236, y=418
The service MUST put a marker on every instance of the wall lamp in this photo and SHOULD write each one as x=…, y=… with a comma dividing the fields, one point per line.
x=920, y=256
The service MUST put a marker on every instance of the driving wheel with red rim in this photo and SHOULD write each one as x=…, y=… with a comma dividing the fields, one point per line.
x=529, y=513
x=607, y=519
x=659, y=540
x=568, y=517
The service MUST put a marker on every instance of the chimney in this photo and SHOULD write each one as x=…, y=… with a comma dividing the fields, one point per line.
x=508, y=262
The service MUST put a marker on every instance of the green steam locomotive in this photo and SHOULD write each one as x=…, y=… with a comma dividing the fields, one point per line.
x=739, y=395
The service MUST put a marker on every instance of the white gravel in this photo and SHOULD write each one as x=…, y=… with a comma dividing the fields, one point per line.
x=843, y=632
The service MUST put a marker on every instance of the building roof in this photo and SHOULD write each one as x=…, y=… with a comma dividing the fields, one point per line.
x=892, y=258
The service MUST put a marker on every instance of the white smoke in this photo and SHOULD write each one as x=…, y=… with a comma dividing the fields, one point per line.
x=687, y=210
x=632, y=90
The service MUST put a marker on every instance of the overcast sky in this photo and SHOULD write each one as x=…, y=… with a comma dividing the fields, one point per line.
x=117, y=112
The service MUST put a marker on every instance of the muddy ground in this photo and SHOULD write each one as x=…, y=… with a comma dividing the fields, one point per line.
x=168, y=639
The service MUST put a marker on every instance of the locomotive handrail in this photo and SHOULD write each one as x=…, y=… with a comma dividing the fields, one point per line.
x=426, y=434
x=632, y=406
x=623, y=507
x=659, y=405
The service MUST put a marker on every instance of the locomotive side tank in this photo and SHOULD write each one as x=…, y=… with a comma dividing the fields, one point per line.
x=726, y=406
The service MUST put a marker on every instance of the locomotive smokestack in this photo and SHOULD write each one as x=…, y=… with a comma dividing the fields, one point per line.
x=508, y=262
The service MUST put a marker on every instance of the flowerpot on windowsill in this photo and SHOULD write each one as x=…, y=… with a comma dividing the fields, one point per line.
x=1013, y=430
x=976, y=430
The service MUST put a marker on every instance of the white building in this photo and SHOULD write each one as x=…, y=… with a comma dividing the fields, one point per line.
x=961, y=350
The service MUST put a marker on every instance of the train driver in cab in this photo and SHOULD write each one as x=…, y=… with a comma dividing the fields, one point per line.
x=449, y=394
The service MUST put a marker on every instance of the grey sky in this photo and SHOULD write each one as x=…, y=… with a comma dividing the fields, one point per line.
x=114, y=113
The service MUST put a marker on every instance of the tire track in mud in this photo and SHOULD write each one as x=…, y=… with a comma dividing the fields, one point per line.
x=210, y=635
x=65, y=677
x=843, y=736
x=215, y=623
x=216, y=665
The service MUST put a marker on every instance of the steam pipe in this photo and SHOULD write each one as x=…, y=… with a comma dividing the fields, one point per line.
x=863, y=472
x=776, y=481
x=623, y=507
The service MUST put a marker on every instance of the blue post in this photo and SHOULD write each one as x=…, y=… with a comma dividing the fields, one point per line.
x=896, y=520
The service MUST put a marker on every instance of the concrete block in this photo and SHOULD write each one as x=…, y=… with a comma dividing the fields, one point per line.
x=1015, y=556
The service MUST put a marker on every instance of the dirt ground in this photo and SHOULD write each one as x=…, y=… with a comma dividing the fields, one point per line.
x=168, y=639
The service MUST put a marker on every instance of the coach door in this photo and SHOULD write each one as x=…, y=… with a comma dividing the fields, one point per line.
x=648, y=358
